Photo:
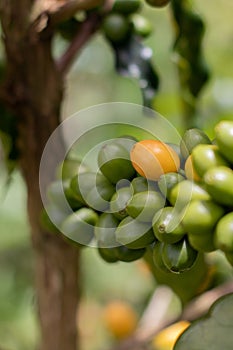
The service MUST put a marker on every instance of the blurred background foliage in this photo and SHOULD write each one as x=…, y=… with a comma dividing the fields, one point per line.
x=93, y=81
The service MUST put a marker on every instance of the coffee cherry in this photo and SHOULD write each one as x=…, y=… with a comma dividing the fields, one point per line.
x=157, y=257
x=168, y=181
x=140, y=184
x=134, y=234
x=116, y=27
x=127, y=255
x=179, y=257
x=126, y=7
x=167, y=225
x=223, y=236
x=108, y=254
x=141, y=25
x=119, y=202
x=114, y=162
x=105, y=230
x=79, y=226
x=69, y=168
x=205, y=157
x=144, y=205
x=224, y=138
x=92, y=189
x=191, y=139
x=185, y=192
x=201, y=216
x=153, y=158
x=157, y=3
x=202, y=243
x=219, y=184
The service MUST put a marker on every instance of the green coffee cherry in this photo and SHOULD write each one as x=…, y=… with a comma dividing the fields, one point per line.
x=141, y=25
x=119, y=202
x=168, y=181
x=224, y=138
x=59, y=193
x=47, y=223
x=141, y=184
x=201, y=216
x=54, y=216
x=157, y=3
x=179, y=257
x=157, y=257
x=71, y=199
x=202, y=243
x=185, y=192
x=134, y=234
x=114, y=162
x=126, y=6
x=55, y=193
x=144, y=205
x=167, y=225
x=92, y=189
x=219, y=183
x=116, y=27
x=223, y=236
x=79, y=226
x=205, y=157
x=69, y=168
x=127, y=255
x=108, y=254
x=191, y=139
x=105, y=230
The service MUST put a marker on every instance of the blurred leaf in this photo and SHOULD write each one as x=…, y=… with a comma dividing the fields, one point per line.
x=134, y=60
x=212, y=332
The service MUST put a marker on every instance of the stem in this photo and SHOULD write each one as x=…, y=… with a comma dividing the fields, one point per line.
x=85, y=32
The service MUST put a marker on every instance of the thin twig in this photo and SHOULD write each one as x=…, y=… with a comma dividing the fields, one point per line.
x=84, y=33
x=199, y=306
x=156, y=313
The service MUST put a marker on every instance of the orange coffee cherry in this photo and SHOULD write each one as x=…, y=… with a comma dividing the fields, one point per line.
x=153, y=158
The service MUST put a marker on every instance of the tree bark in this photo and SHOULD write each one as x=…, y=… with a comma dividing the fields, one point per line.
x=33, y=89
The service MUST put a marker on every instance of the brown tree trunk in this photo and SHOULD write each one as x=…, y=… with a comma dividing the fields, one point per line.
x=33, y=89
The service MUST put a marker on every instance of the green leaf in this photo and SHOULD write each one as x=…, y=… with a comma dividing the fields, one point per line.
x=213, y=331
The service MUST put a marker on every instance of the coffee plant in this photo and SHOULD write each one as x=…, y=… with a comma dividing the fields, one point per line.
x=165, y=203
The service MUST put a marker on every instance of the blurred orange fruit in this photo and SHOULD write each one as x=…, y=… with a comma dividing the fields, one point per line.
x=120, y=319
x=166, y=339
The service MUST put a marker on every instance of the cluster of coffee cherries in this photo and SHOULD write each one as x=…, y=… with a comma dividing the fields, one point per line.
x=125, y=19
x=174, y=200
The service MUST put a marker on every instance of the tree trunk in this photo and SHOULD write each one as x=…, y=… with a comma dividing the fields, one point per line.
x=33, y=88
